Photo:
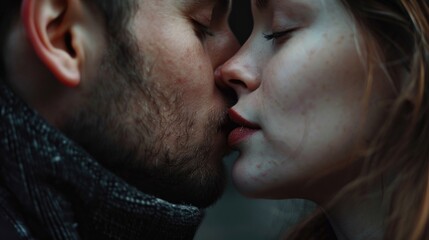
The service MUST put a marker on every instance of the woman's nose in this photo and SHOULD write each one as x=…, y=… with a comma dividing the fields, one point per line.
x=239, y=73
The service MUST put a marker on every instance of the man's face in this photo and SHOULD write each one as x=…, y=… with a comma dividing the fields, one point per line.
x=154, y=115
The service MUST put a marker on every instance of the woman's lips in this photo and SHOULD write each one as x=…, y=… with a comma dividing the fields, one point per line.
x=244, y=130
x=240, y=134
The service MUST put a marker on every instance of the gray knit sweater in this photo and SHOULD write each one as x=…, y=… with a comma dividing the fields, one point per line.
x=50, y=188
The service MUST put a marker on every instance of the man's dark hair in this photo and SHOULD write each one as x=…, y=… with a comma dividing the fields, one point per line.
x=8, y=13
x=116, y=13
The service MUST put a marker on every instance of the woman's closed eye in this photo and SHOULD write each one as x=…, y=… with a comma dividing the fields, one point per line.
x=280, y=36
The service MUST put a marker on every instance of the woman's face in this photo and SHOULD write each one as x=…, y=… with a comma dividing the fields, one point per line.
x=301, y=82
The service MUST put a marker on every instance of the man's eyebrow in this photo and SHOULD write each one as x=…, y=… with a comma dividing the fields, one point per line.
x=261, y=4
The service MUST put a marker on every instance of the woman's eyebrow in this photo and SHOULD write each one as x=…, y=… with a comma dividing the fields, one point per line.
x=206, y=2
x=261, y=4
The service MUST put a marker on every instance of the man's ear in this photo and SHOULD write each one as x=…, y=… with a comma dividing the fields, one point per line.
x=52, y=27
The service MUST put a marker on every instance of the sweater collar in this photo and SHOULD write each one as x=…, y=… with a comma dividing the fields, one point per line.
x=69, y=195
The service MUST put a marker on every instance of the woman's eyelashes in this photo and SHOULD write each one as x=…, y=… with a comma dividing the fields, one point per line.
x=280, y=36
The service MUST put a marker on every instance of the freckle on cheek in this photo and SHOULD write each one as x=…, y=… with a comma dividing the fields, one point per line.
x=340, y=39
x=180, y=80
x=324, y=87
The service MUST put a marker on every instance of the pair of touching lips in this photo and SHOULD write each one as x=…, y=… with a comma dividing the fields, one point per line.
x=244, y=129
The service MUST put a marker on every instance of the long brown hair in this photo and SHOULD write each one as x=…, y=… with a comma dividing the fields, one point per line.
x=395, y=34
x=399, y=31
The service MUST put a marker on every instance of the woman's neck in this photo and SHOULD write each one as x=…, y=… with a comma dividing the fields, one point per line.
x=358, y=218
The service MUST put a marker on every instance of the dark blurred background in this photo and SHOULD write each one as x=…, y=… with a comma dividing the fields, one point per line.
x=241, y=19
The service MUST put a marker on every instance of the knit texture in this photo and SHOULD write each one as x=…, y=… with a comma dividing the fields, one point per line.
x=50, y=188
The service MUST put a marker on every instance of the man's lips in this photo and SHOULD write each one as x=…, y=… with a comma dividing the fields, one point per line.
x=244, y=130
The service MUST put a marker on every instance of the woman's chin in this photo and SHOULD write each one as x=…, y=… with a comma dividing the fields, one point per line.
x=248, y=182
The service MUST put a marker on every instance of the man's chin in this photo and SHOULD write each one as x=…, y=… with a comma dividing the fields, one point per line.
x=200, y=188
x=202, y=195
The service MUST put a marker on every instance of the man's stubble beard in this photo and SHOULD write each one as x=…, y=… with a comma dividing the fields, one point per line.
x=129, y=125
